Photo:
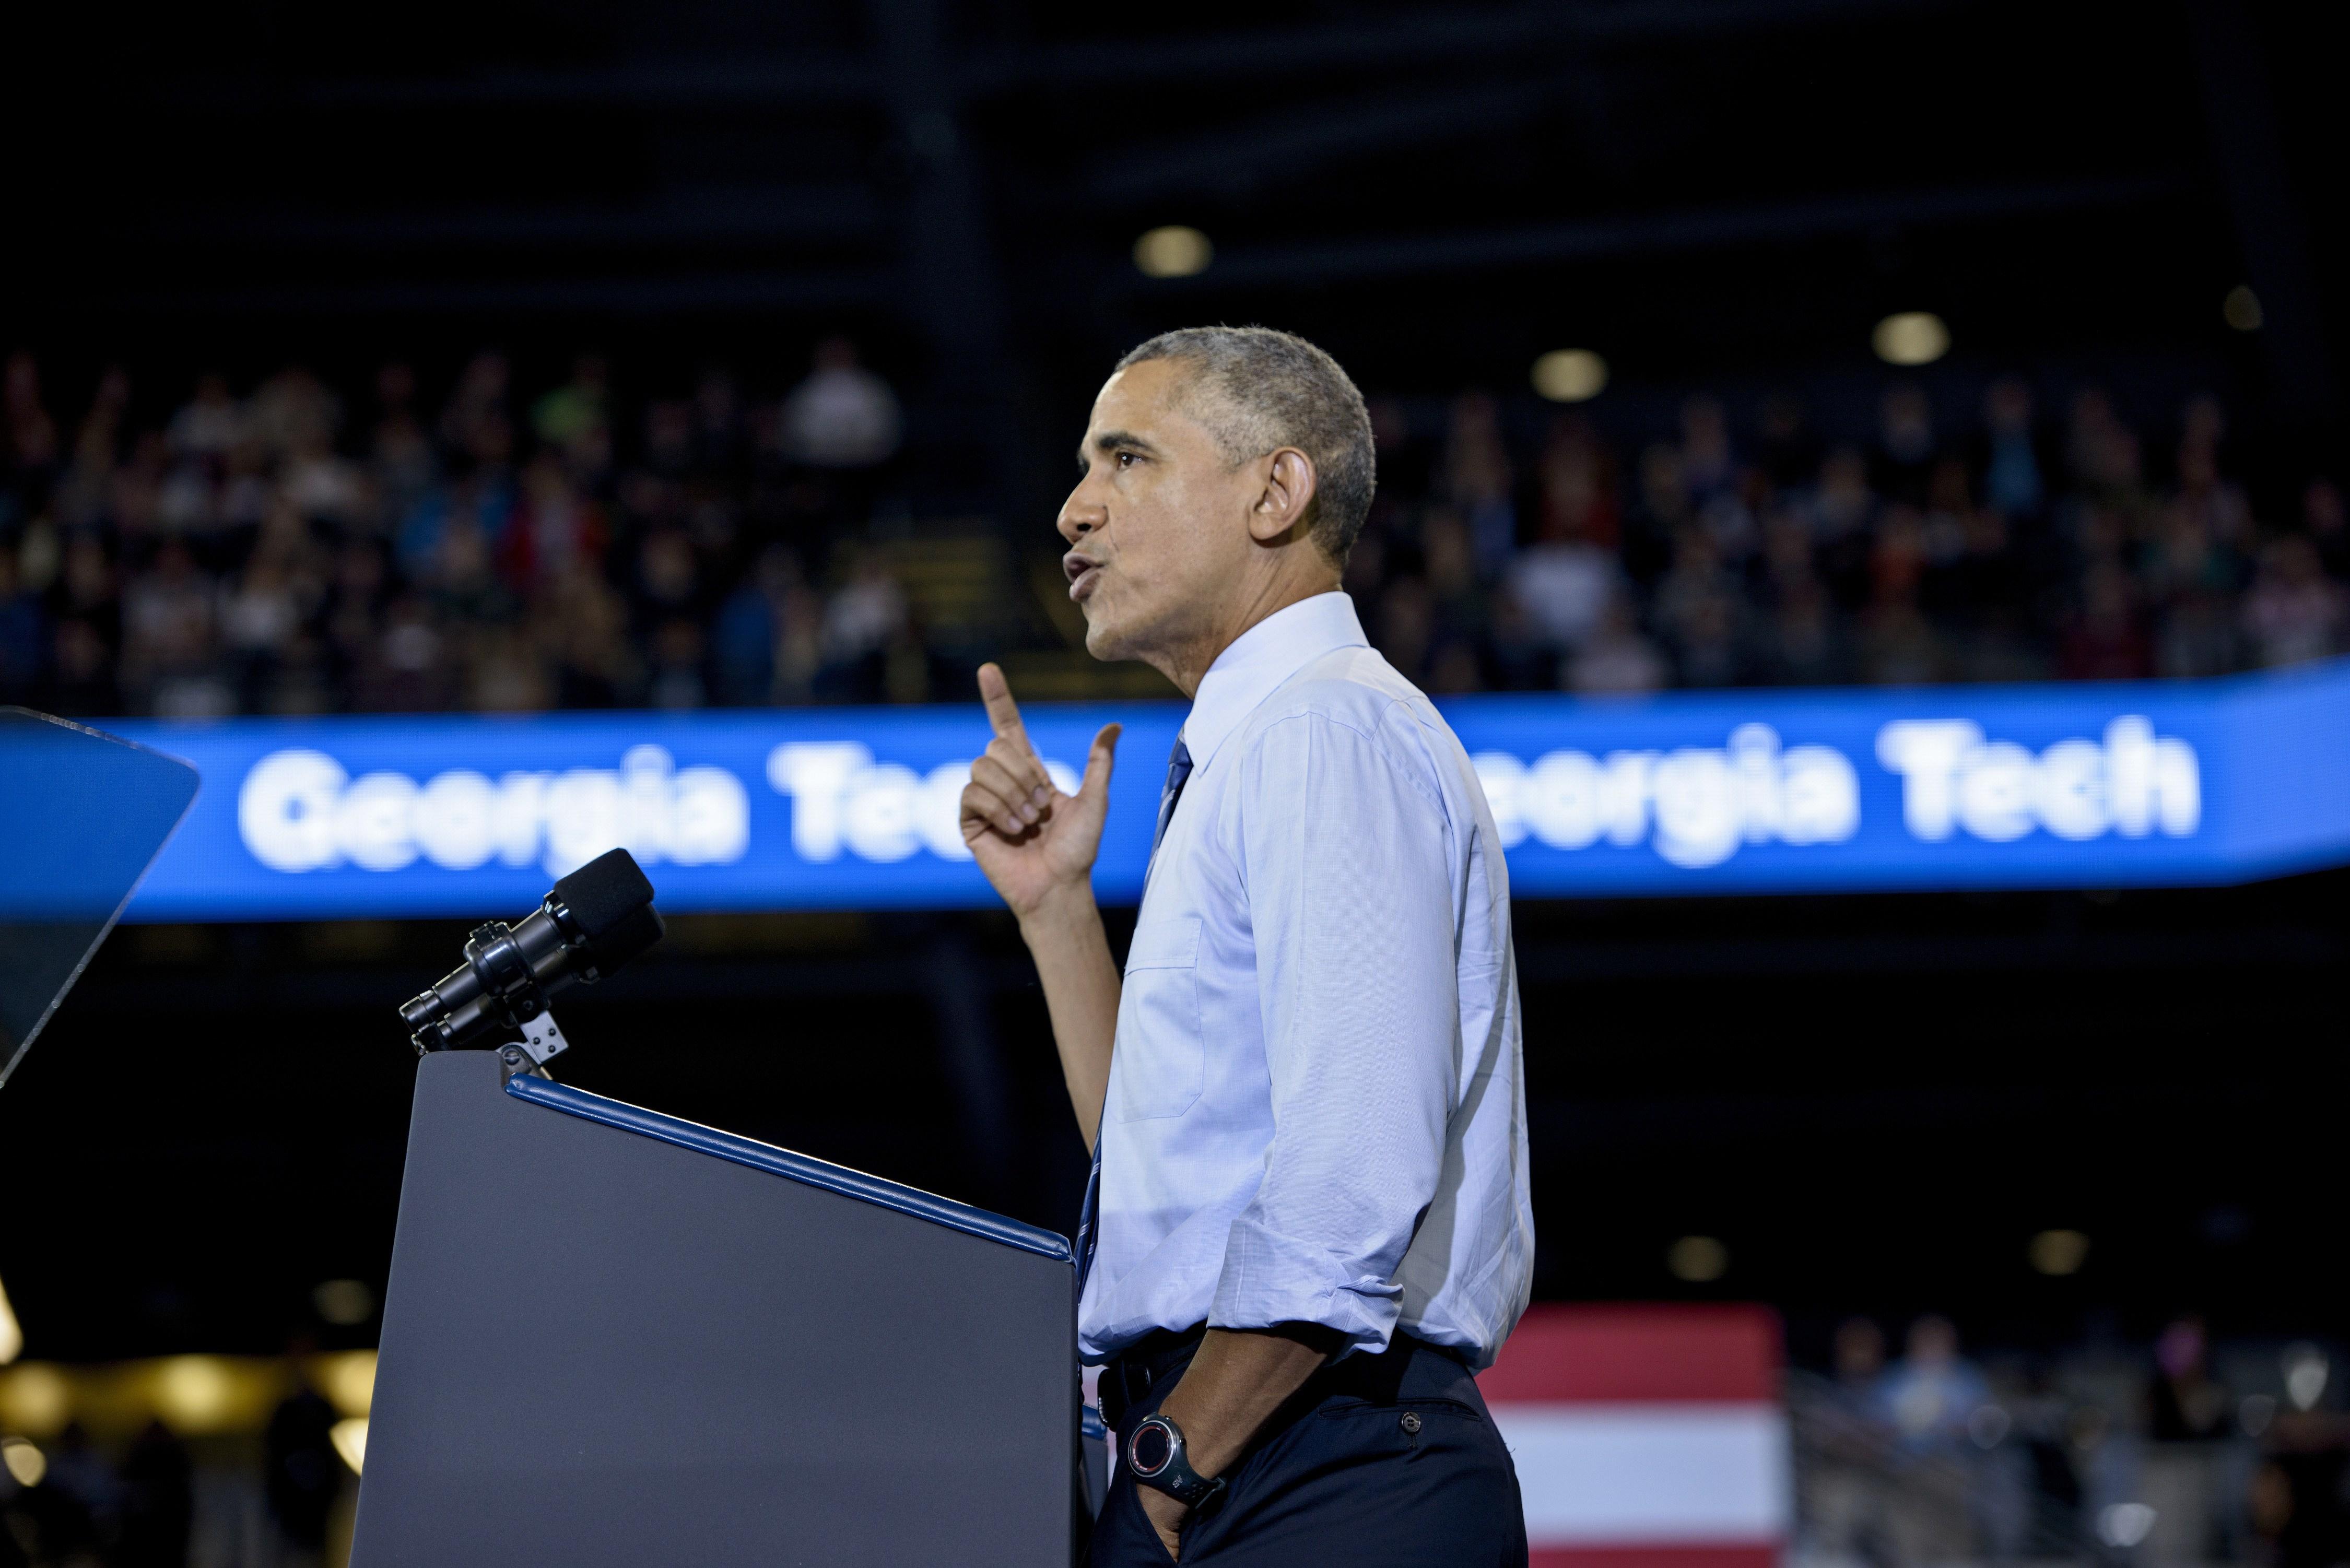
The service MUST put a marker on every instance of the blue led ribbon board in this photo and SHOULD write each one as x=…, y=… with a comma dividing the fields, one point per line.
x=2088, y=785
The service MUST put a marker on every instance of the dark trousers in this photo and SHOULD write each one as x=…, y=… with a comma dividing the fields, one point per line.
x=1379, y=1459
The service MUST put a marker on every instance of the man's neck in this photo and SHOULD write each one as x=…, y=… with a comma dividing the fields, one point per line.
x=1187, y=663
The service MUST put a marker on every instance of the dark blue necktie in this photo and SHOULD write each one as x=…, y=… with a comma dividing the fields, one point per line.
x=1179, y=773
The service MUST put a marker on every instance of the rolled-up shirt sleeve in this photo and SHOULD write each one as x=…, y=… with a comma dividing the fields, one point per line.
x=1351, y=901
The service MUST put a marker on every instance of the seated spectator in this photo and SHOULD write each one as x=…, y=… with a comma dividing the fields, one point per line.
x=170, y=640
x=865, y=619
x=1479, y=480
x=576, y=416
x=412, y=667
x=463, y=579
x=585, y=622
x=82, y=490
x=1578, y=489
x=1698, y=610
x=843, y=415
x=24, y=632
x=295, y=412
x=475, y=426
x=1900, y=647
x=676, y=677
x=30, y=435
x=1404, y=630
x=1449, y=564
x=554, y=528
x=1616, y=661
x=2012, y=481
x=2196, y=636
x=506, y=672
x=1708, y=467
x=765, y=646
x=208, y=425
x=260, y=617
x=318, y=482
x=1564, y=581
x=1804, y=642
x=2105, y=641
x=2293, y=614
x=2327, y=523
x=1905, y=443
x=401, y=460
x=1928, y=1399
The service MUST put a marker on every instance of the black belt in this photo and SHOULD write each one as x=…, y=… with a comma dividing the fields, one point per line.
x=1130, y=1376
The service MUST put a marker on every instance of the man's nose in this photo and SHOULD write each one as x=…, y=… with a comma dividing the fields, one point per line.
x=1080, y=515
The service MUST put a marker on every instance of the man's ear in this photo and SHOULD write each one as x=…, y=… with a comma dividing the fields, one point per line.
x=1285, y=507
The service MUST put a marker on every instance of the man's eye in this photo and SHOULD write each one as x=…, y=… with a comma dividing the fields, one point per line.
x=1126, y=460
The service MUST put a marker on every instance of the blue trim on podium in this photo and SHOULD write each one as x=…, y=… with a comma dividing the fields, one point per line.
x=798, y=1167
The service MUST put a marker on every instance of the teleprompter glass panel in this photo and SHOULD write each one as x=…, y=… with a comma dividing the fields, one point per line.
x=82, y=815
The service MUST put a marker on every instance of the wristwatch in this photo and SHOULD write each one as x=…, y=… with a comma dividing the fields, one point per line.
x=1154, y=1452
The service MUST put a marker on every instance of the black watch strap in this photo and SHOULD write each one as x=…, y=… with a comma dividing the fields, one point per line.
x=1155, y=1453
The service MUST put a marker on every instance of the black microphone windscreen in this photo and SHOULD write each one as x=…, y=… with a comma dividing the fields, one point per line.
x=625, y=937
x=603, y=894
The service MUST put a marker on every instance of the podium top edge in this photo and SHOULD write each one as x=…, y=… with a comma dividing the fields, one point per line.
x=800, y=1168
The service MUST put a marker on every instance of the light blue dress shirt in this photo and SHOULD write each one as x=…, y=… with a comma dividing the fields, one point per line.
x=1316, y=1106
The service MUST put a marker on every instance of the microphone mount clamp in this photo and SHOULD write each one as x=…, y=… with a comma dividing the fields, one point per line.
x=511, y=995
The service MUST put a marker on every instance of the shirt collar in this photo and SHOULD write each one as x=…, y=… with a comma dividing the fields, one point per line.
x=1259, y=659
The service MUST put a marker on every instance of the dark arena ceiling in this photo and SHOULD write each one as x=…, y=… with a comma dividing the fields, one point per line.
x=1693, y=187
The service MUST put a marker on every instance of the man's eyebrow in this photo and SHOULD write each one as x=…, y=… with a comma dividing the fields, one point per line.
x=1115, y=440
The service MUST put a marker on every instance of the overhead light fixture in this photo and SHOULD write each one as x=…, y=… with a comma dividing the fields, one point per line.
x=343, y=1303
x=12, y=1333
x=350, y=1442
x=35, y=1398
x=195, y=1394
x=2306, y=1370
x=24, y=1461
x=1174, y=251
x=347, y=1379
x=2057, y=1253
x=1570, y=375
x=1698, y=1260
x=1912, y=337
x=2241, y=309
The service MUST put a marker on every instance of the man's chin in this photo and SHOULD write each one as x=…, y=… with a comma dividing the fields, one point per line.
x=1104, y=642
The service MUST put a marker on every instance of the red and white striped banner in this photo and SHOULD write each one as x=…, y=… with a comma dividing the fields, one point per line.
x=1647, y=1437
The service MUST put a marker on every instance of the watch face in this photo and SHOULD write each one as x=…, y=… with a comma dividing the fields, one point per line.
x=1151, y=1449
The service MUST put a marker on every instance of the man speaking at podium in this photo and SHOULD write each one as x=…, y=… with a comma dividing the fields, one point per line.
x=1308, y=1222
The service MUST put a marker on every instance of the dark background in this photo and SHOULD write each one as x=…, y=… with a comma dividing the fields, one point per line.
x=1874, y=1102
x=1709, y=189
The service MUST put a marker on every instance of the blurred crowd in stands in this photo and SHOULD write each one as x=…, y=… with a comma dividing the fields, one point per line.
x=2190, y=1454
x=280, y=1497
x=2125, y=1455
x=297, y=547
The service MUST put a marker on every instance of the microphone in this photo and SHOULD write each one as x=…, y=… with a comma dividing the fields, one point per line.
x=595, y=920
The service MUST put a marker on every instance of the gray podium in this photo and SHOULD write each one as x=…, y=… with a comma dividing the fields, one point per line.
x=613, y=1337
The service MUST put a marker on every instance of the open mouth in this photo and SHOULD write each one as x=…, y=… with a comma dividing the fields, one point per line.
x=1082, y=574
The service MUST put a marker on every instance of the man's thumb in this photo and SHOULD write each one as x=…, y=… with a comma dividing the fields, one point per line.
x=1099, y=760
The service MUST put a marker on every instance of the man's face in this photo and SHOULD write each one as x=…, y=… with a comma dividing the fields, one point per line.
x=1158, y=527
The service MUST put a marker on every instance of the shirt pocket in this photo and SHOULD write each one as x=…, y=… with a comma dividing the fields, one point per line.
x=1161, y=1063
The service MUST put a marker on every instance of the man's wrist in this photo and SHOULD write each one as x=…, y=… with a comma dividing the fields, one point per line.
x=1212, y=1452
x=1065, y=912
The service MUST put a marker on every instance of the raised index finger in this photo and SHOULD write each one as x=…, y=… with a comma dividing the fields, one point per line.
x=1001, y=711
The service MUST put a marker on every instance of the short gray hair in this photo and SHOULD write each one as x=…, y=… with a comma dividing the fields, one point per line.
x=1275, y=389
